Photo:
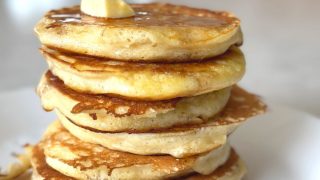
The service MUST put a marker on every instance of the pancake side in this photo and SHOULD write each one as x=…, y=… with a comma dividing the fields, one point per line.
x=41, y=170
x=178, y=144
x=145, y=81
x=180, y=141
x=115, y=114
x=158, y=32
x=233, y=169
x=81, y=160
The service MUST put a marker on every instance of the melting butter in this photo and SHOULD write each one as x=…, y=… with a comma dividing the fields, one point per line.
x=107, y=8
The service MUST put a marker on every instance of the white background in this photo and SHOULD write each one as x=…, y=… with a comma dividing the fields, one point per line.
x=282, y=45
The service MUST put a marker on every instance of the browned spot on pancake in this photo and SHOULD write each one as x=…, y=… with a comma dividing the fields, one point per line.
x=117, y=106
x=42, y=168
x=150, y=15
x=241, y=106
x=49, y=173
x=91, y=156
x=93, y=116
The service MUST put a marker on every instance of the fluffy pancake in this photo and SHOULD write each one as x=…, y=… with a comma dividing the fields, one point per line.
x=233, y=169
x=70, y=156
x=114, y=114
x=155, y=81
x=158, y=32
x=178, y=141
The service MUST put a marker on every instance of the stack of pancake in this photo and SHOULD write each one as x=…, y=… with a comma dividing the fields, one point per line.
x=146, y=97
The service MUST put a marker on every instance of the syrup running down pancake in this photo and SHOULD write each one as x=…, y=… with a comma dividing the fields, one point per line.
x=158, y=32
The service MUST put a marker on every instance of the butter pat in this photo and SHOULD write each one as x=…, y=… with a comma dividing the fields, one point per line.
x=107, y=8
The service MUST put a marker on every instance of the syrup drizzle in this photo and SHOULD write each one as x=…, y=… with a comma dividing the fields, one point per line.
x=150, y=15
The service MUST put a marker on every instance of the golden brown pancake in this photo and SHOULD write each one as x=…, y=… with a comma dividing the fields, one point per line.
x=158, y=32
x=188, y=140
x=146, y=81
x=233, y=169
x=81, y=160
x=116, y=114
x=41, y=170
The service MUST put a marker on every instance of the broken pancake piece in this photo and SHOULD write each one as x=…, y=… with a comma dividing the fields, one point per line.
x=158, y=32
x=180, y=141
x=145, y=81
x=115, y=114
x=18, y=168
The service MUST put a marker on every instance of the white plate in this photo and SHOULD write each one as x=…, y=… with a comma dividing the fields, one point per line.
x=281, y=145
x=284, y=144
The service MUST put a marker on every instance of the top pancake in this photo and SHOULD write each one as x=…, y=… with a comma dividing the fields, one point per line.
x=158, y=32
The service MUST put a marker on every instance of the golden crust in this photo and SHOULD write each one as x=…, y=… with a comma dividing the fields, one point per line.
x=232, y=167
x=91, y=102
x=41, y=170
x=241, y=106
x=155, y=81
x=82, y=160
x=189, y=139
x=115, y=114
x=158, y=32
x=186, y=143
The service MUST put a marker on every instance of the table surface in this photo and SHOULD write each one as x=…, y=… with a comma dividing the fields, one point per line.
x=281, y=46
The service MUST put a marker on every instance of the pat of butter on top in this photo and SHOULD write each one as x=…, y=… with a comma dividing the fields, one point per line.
x=107, y=8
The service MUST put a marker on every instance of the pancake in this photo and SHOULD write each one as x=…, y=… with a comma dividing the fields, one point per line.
x=180, y=141
x=158, y=32
x=115, y=114
x=70, y=156
x=233, y=169
x=145, y=81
